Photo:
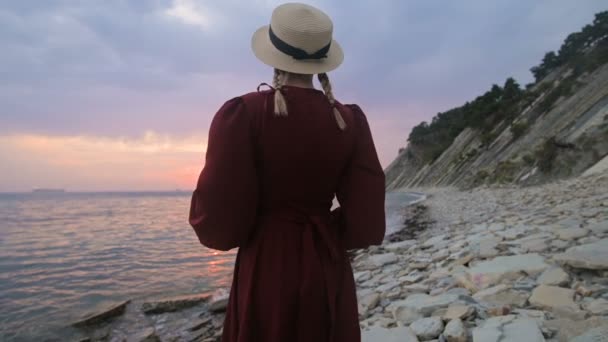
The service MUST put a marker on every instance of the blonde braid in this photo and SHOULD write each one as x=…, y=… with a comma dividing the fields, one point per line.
x=280, y=105
x=324, y=80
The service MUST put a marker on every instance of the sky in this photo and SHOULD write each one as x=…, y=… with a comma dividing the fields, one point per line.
x=119, y=94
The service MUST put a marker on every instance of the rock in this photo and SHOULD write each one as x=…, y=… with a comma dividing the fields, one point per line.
x=405, y=315
x=458, y=311
x=508, y=329
x=597, y=307
x=560, y=244
x=535, y=245
x=554, y=276
x=583, y=290
x=491, y=272
x=487, y=248
x=368, y=302
x=219, y=300
x=426, y=304
x=524, y=284
x=387, y=287
x=598, y=228
x=590, y=256
x=401, y=246
x=435, y=241
x=551, y=297
x=413, y=277
x=481, y=295
x=455, y=331
x=393, y=294
x=172, y=304
x=380, y=260
x=538, y=315
x=594, y=335
x=103, y=315
x=427, y=328
x=362, y=276
x=498, y=310
x=571, y=233
x=146, y=335
x=463, y=260
x=197, y=325
x=415, y=288
x=513, y=233
x=568, y=329
x=399, y=334
x=440, y=255
x=508, y=297
x=419, y=265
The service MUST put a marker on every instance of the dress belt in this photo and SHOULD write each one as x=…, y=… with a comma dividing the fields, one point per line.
x=319, y=225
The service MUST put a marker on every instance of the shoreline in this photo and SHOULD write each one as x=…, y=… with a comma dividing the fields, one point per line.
x=466, y=264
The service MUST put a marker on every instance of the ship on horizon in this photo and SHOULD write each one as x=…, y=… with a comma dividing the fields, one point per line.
x=48, y=190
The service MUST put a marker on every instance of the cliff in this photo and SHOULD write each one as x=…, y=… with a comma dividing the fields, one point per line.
x=556, y=128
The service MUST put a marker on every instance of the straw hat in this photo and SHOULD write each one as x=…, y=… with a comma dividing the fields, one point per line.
x=299, y=40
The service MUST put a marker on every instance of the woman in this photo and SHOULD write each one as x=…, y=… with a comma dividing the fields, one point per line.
x=275, y=161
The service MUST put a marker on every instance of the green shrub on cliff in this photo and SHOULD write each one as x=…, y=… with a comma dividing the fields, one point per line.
x=546, y=155
x=581, y=52
x=518, y=129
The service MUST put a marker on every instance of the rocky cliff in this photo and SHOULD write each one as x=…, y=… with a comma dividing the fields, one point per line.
x=557, y=134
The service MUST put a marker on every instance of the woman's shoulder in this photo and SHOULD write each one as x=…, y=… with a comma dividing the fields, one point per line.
x=354, y=110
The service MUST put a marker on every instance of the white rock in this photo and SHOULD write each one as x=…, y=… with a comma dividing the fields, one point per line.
x=597, y=307
x=455, y=331
x=219, y=300
x=426, y=304
x=458, y=311
x=535, y=245
x=554, y=276
x=513, y=233
x=560, y=244
x=368, y=302
x=598, y=228
x=571, y=233
x=399, y=334
x=400, y=246
x=362, y=276
x=594, y=335
x=487, y=248
x=491, y=272
x=380, y=260
x=551, y=297
x=481, y=295
x=427, y=328
x=387, y=287
x=507, y=297
x=508, y=329
x=590, y=256
x=411, y=278
x=415, y=288
x=146, y=335
x=405, y=315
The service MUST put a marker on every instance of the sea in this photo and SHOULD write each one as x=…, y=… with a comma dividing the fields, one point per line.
x=63, y=254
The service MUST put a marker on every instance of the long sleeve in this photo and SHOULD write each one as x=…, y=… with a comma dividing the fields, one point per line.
x=361, y=191
x=224, y=203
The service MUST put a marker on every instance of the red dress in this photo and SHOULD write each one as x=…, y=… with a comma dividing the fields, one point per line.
x=267, y=187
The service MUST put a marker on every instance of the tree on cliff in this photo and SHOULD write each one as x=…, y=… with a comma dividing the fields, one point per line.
x=584, y=50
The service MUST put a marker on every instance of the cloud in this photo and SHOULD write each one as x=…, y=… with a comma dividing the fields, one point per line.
x=190, y=13
x=82, y=162
x=119, y=68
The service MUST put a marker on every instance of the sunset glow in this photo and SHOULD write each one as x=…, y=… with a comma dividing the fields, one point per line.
x=119, y=95
x=154, y=161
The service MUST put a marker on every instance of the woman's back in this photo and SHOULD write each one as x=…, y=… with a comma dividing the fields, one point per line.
x=301, y=157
